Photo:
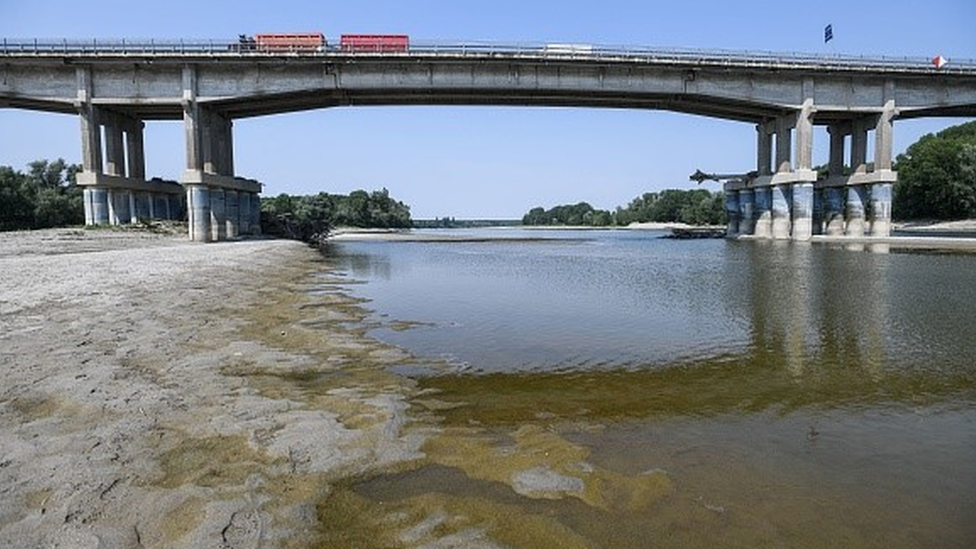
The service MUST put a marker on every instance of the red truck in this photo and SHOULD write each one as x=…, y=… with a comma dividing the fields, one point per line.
x=374, y=42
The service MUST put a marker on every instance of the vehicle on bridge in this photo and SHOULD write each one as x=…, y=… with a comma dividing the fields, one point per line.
x=568, y=49
x=281, y=42
x=383, y=43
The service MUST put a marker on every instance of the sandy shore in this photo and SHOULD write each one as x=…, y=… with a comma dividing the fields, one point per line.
x=161, y=393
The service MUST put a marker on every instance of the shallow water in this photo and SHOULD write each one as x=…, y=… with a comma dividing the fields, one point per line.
x=629, y=391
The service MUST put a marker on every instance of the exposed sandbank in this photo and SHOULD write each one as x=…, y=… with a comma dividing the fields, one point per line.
x=145, y=402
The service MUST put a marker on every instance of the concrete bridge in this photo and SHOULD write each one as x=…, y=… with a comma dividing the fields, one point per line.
x=114, y=86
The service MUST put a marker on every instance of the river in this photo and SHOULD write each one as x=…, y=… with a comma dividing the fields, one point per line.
x=618, y=389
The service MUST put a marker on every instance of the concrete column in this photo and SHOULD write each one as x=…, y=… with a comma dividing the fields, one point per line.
x=221, y=144
x=834, y=211
x=747, y=211
x=91, y=133
x=802, y=202
x=855, y=210
x=784, y=143
x=198, y=206
x=879, y=216
x=244, y=211
x=804, y=130
x=883, y=131
x=151, y=200
x=232, y=208
x=87, y=198
x=859, y=147
x=838, y=133
x=91, y=139
x=133, y=211
x=110, y=202
x=802, y=191
x=229, y=146
x=192, y=121
x=255, y=214
x=208, y=150
x=99, y=204
x=161, y=205
x=218, y=215
x=216, y=142
x=781, y=211
x=123, y=214
x=114, y=150
x=135, y=150
x=818, y=211
x=764, y=212
x=764, y=150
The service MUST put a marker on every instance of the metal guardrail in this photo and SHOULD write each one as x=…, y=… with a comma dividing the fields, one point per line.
x=581, y=52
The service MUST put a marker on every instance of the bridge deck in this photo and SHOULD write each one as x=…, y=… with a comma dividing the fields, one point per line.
x=184, y=49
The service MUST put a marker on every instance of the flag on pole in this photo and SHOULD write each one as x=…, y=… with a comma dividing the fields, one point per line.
x=828, y=33
x=939, y=61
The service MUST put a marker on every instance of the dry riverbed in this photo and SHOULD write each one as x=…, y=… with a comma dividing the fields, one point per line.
x=161, y=393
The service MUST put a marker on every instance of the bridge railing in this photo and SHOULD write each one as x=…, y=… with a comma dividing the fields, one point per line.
x=562, y=51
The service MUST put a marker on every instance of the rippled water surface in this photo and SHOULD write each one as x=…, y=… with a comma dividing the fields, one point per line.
x=624, y=390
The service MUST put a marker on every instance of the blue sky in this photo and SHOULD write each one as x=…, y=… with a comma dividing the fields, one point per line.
x=485, y=161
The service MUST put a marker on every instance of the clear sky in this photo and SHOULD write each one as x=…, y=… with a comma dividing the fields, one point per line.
x=487, y=162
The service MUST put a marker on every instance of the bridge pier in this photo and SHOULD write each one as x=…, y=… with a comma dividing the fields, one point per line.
x=222, y=206
x=113, y=172
x=790, y=202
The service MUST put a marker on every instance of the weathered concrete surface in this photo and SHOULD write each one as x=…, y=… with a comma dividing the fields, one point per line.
x=153, y=86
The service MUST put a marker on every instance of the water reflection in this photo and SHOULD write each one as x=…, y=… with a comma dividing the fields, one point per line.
x=704, y=327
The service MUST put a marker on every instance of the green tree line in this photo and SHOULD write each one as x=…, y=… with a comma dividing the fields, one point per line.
x=311, y=217
x=45, y=196
x=937, y=176
x=694, y=207
x=936, y=180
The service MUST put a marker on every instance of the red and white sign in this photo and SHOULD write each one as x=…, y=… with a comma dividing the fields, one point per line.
x=939, y=61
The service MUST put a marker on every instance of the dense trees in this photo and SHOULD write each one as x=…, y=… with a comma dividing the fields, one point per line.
x=574, y=214
x=45, y=196
x=694, y=207
x=937, y=176
x=309, y=217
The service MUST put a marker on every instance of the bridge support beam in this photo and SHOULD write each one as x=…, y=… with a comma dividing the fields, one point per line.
x=215, y=196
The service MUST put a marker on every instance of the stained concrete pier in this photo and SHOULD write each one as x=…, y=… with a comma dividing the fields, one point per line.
x=793, y=202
